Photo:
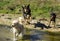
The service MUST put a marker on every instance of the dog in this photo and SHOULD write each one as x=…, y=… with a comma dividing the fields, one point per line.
x=18, y=28
x=26, y=12
x=52, y=19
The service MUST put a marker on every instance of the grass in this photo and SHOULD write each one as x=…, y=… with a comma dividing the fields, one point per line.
x=37, y=7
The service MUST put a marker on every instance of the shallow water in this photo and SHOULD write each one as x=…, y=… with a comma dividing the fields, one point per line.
x=31, y=35
x=37, y=35
x=52, y=36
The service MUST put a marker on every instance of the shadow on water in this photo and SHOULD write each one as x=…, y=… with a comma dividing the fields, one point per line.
x=5, y=34
x=6, y=27
x=37, y=35
x=26, y=37
x=34, y=36
x=3, y=25
x=52, y=36
x=41, y=25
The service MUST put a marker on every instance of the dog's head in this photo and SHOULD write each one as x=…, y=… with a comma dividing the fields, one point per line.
x=26, y=8
x=14, y=23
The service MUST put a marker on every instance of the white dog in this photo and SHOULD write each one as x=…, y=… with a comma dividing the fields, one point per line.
x=18, y=28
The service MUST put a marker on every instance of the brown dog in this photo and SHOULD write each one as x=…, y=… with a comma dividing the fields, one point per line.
x=52, y=19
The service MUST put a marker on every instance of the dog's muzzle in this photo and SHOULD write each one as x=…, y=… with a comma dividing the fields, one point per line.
x=12, y=25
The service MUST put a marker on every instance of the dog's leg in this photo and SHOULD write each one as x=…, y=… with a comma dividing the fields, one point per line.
x=54, y=24
x=20, y=35
x=30, y=18
x=14, y=35
x=49, y=23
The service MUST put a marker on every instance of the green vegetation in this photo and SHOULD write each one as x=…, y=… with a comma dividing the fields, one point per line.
x=38, y=7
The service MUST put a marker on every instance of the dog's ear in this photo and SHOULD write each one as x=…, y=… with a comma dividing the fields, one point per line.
x=28, y=5
x=23, y=6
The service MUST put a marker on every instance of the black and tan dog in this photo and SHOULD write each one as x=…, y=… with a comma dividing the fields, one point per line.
x=52, y=19
x=26, y=12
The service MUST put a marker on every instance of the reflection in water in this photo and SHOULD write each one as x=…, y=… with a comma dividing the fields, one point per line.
x=37, y=35
x=51, y=36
